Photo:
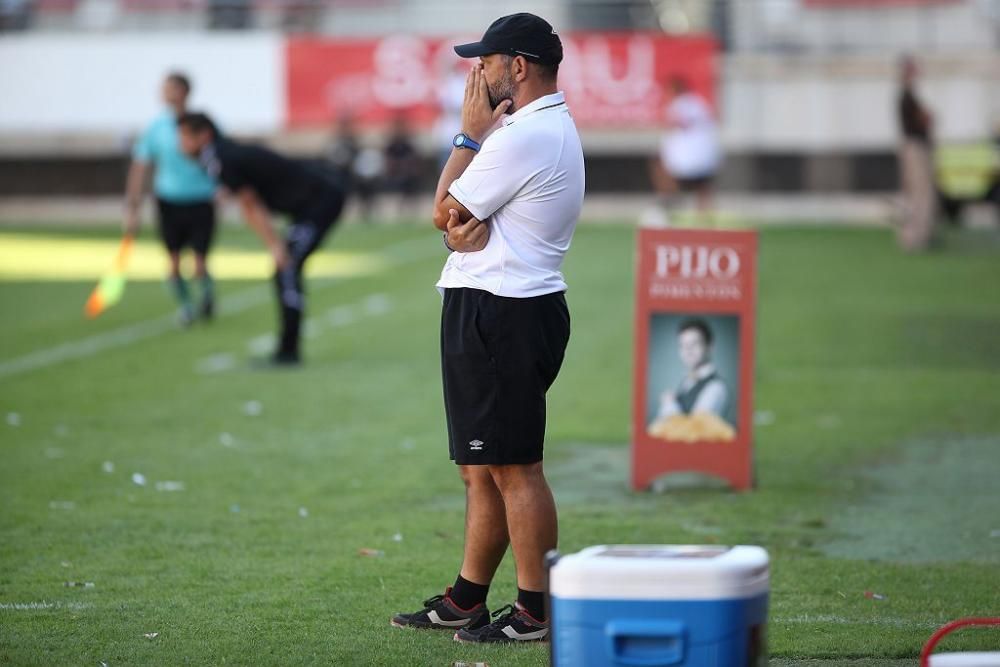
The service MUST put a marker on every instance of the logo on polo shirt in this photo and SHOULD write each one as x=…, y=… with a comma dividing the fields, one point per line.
x=476, y=445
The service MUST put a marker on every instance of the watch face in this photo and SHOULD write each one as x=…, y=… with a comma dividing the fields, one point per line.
x=459, y=140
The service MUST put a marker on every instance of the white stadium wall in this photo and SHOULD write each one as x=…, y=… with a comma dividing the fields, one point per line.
x=109, y=84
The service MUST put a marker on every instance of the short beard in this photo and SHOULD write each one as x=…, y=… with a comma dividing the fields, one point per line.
x=504, y=89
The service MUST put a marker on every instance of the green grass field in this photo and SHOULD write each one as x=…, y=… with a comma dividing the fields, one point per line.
x=878, y=453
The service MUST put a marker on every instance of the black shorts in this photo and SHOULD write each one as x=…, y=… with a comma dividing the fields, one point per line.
x=187, y=225
x=499, y=355
x=692, y=183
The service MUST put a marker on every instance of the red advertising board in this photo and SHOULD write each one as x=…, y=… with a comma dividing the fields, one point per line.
x=610, y=79
x=696, y=300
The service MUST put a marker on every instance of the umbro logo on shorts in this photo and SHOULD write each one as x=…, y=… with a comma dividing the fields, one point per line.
x=476, y=445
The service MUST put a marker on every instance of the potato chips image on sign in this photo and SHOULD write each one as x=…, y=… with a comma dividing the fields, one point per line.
x=698, y=427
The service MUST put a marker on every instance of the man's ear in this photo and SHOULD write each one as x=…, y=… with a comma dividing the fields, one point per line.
x=519, y=68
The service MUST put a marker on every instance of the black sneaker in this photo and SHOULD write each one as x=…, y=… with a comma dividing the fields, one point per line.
x=440, y=613
x=286, y=358
x=207, y=310
x=513, y=624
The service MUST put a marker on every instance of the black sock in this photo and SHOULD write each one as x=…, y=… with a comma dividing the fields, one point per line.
x=467, y=594
x=533, y=603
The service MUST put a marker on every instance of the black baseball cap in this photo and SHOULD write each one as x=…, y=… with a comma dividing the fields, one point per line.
x=518, y=35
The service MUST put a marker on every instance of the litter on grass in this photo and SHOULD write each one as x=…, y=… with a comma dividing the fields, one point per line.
x=227, y=440
x=138, y=479
x=62, y=505
x=828, y=421
x=763, y=418
x=13, y=419
x=253, y=408
x=151, y=635
x=261, y=344
x=398, y=537
x=875, y=596
x=303, y=512
x=234, y=508
x=215, y=363
x=169, y=485
x=469, y=664
x=371, y=553
x=108, y=467
x=377, y=304
x=66, y=563
x=408, y=444
x=78, y=584
x=995, y=533
x=61, y=430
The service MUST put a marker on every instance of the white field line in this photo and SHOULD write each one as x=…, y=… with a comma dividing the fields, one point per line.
x=373, y=305
x=832, y=619
x=41, y=606
x=398, y=254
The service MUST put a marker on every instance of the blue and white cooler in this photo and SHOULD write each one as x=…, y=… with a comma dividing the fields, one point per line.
x=660, y=605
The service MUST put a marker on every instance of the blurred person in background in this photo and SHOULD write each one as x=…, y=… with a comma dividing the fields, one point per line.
x=916, y=168
x=689, y=151
x=184, y=198
x=264, y=182
x=402, y=163
x=343, y=151
x=368, y=167
x=16, y=15
x=451, y=95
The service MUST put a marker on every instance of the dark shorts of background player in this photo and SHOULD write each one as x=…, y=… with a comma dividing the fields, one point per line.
x=187, y=225
x=693, y=183
x=499, y=355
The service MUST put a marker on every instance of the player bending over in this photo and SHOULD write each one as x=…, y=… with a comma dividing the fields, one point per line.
x=264, y=182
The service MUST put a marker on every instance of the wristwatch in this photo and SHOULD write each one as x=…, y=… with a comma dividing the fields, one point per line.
x=462, y=140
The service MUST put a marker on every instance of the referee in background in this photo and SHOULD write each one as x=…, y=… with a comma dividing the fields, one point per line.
x=184, y=198
x=264, y=182
x=508, y=201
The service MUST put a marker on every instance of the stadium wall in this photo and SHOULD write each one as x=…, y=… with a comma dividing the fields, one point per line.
x=73, y=103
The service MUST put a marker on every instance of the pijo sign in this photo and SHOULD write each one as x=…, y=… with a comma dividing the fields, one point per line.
x=694, y=353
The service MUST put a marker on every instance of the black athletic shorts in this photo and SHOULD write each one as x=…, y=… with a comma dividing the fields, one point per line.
x=187, y=225
x=692, y=183
x=499, y=355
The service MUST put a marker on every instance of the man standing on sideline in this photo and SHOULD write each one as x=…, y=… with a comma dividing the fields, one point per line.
x=508, y=202
x=689, y=153
x=264, y=181
x=916, y=167
x=184, y=198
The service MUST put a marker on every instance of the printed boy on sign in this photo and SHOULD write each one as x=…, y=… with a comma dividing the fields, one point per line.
x=699, y=408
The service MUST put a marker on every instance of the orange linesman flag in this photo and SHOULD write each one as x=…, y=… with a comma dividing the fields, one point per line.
x=111, y=286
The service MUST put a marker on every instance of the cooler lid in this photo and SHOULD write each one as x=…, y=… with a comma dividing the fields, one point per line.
x=965, y=659
x=661, y=572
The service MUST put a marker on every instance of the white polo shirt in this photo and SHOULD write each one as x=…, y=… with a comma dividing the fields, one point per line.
x=527, y=183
